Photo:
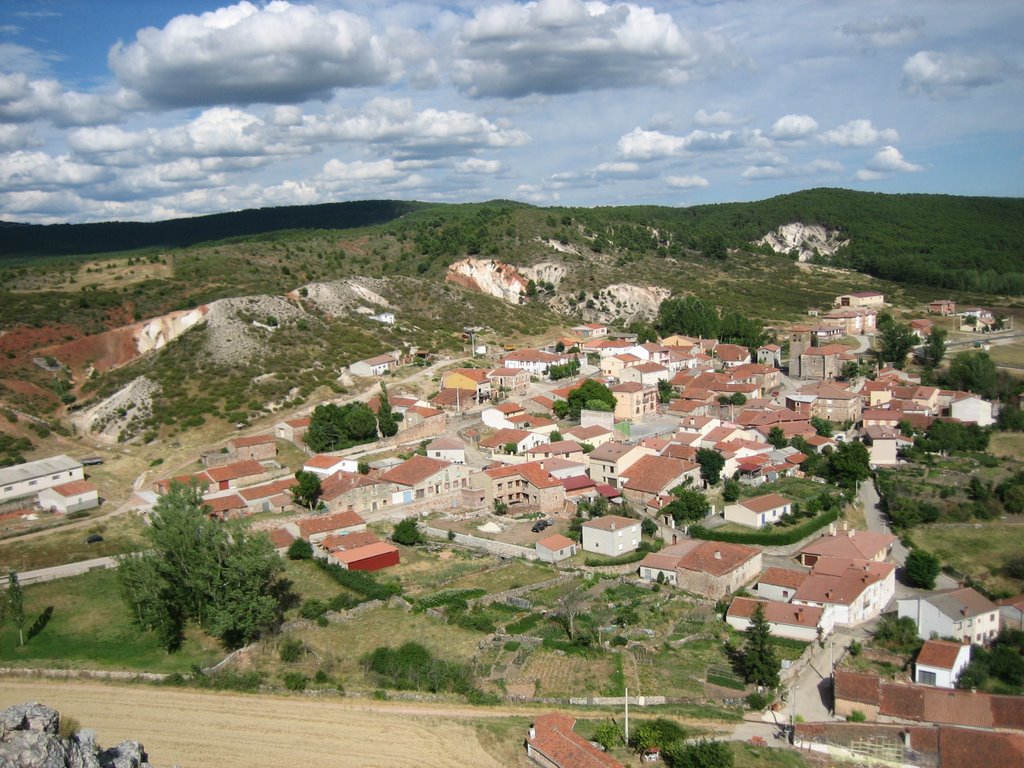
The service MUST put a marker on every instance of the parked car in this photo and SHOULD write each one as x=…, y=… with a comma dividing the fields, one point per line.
x=540, y=525
x=94, y=539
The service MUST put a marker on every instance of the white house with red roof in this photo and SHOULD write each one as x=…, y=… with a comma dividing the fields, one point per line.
x=611, y=535
x=856, y=590
x=797, y=622
x=325, y=465
x=555, y=548
x=552, y=743
x=940, y=663
x=74, y=496
x=759, y=511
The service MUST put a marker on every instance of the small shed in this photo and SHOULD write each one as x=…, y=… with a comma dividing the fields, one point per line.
x=372, y=557
x=70, y=497
x=555, y=548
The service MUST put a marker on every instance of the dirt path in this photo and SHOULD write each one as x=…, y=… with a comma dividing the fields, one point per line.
x=199, y=729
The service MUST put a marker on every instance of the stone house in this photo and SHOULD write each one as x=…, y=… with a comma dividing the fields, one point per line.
x=256, y=447
x=421, y=478
x=712, y=569
x=521, y=487
x=652, y=476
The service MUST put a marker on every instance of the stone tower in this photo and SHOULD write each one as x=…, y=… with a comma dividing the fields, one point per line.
x=799, y=342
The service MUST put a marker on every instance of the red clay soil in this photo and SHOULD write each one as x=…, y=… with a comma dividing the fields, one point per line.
x=22, y=338
x=23, y=387
x=104, y=350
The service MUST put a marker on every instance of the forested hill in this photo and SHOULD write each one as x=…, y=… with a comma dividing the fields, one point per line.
x=946, y=241
x=109, y=237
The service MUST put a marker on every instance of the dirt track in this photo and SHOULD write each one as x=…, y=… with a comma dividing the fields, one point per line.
x=194, y=729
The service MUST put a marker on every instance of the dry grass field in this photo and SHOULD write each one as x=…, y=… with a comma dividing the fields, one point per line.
x=195, y=729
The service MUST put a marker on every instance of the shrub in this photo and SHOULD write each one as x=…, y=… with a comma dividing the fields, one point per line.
x=758, y=701
x=300, y=549
x=767, y=537
x=290, y=650
x=407, y=533
x=857, y=717
x=295, y=681
x=365, y=584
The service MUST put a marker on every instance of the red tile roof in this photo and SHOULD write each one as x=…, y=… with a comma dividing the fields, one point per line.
x=611, y=523
x=555, y=542
x=414, y=470
x=323, y=461
x=504, y=436
x=280, y=537
x=717, y=557
x=349, y=556
x=340, y=483
x=783, y=577
x=235, y=471
x=554, y=738
x=531, y=471
x=311, y=526
x=245, y=442
x=858, y=544
x=777, y=613
x=939, y=653
x=656, y=474
x=765, y=502
x=221, y=504
x=267, y=490
x=74, y=488
x=860, y=687
x=344, y=541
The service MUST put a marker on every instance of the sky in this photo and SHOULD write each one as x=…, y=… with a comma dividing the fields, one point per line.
x=142, y=110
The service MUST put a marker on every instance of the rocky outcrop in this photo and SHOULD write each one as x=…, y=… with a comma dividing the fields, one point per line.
x=339, y=297
x=488, y=276
x=30, y=738
x=160, y=331
x=807, y=240
x=621, y=301
x=118, y=416
x=545, y=272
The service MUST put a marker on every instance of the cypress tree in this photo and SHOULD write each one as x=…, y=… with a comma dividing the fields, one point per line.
x=759, y=662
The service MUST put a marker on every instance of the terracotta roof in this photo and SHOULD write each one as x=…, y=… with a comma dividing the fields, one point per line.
x=479, y=375
x=323, y=461
x=504, y=436
x=507, y=373
x=611, y=523
x=765, y=503
x=558, y=447
x=303, y=422
x=938, y=653
x=731, y=352
x=345, y=541
x=221, y=504
x=656, y=474
x=776, y=612
x=380, y=359
x=840, y=580
x=267, y=490
x=577, y=483
x=717, y=557
x=414, y=470
x=861, y=687
x=340, y=483
x=858, y=544
x=555, y=542
x=311, y=526
x=583, y=433
x=631, y=386
x=235, y=471
x=423, y=411
x=348, y=556
x=245, y=442
x=530, y=421
x=509, y=408
x=454, y=396
x=74, y=488
x=533, y=356
x=280, y=537
x=968, y=748
x=611, y=451
x=782, y=577
x=531, y=471
x=555, y=739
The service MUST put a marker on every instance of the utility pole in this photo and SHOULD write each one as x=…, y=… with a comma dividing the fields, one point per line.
x=627, y=716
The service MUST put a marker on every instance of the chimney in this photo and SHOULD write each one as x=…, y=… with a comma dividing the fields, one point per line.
x=533, y=732
x=718, y=554
x=612, y=524
x=850, y=532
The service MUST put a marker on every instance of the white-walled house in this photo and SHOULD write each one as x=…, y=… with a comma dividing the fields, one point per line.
x=555, y=548
x=971, y=409
x=857, y=590
x=797, y=622
x=759, y=511
x=611, y=535
x=940, y=663
x=374, y=366
x=32, y=477
x=961, y=613
x=779, y=584
x=70, y=497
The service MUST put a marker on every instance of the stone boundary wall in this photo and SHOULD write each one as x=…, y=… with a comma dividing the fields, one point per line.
x=83, y=674
x=619, y=701
x=520, y=591
x=487, y=545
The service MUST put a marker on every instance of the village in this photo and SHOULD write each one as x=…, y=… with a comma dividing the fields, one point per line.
x=677, y=465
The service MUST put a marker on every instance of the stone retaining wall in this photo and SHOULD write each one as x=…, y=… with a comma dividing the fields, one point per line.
x=487, y=545
x=520, y=591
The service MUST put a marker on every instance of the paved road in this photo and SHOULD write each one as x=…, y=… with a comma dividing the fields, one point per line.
x=64, y=571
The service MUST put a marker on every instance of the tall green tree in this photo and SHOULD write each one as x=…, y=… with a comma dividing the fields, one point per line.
x=221, y=577
x=777, y=438
x=688, y=506
x=385, y=418
x=711, y=465
x=16, y=604
x=897, y=339
x=586, y=395
x=934, y=347
x=973, y=372
x=689, y=316
x=922, y=568
x=307, y=491
x=760, y=665
x=849, y=464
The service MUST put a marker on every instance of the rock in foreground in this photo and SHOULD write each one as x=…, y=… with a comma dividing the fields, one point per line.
x=30, y=738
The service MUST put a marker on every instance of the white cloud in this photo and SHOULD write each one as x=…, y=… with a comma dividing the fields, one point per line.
x=477, y=165
x=883, y=33
x=17, y=137
x=793, y=127
x=243, y=54
x=859, y=133
x=24, y=100
x=639, y=144
x=38, y=170
x=565, y=46
x=686, y=182
x=865, y=175
x=717, y=119
x=784, y=169
x=617, y=168
x=891, y=159
x=949, y=75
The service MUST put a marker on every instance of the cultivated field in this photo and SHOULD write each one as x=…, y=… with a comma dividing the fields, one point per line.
x=204, y=729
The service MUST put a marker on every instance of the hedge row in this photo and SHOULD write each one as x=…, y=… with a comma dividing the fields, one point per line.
x=597, y=561
x=361, y=582
x=449, y=597
x=769, y=537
